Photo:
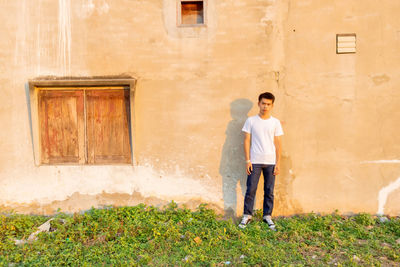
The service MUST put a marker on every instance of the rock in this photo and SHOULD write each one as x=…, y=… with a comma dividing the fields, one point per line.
x=19, y=242
x=356, y=258
x=362, y=242
x=384, y=244
x=332, y=262
x=43, y=228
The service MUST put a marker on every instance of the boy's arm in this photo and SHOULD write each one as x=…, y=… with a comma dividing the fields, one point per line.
x=278, y=149
x=246, y=144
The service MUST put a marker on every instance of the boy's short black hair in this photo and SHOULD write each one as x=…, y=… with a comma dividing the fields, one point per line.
x=266, y=95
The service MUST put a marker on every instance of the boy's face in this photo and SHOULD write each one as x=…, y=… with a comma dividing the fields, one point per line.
x=265, y=105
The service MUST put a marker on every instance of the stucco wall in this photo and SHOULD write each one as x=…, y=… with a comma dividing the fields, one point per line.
x=345, y=107
x=196, y=86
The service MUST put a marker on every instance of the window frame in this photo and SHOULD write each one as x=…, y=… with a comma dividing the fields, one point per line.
x=34, y=87
x=179, y=14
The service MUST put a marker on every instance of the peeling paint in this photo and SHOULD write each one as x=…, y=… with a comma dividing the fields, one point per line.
x=93, y=180
x=383, y=161
x=20, y=34
x=380, y=79
x=89, y=7
x=285, y=203
x=78, y=202
x=384, y=193
x=270, y=13
x=64, y=36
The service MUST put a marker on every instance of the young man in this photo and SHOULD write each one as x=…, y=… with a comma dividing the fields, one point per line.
x=262, y=148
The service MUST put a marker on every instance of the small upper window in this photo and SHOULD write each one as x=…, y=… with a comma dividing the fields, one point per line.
x=192, y=13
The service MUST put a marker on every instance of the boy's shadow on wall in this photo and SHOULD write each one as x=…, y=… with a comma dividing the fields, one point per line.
x=233, y=167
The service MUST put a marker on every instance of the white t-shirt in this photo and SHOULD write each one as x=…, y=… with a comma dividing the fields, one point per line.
x=262, y=148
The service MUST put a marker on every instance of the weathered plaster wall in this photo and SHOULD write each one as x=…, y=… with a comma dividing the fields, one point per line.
x=342, y=110
x=196, y=86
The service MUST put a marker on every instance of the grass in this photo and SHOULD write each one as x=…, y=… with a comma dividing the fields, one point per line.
x=145, y=235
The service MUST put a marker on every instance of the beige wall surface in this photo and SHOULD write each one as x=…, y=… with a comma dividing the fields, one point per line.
x=195, y=87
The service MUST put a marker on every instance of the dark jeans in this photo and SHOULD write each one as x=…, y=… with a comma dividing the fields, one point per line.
x=252, y=182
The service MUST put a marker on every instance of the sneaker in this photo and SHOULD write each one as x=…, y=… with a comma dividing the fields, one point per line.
x=245, y=221
x=267, y=219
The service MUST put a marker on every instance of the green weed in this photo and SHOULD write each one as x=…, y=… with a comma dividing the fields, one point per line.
x=146, y=235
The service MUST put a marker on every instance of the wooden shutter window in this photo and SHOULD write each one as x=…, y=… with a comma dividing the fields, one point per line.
x=84, y=125
x=61, y=118
x=108, y=126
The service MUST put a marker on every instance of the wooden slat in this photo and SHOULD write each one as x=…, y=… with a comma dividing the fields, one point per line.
x=61, y=126
x=63, y=88
x=346, y=50
x=346, y=44
x=348, y=38
x=108, y=125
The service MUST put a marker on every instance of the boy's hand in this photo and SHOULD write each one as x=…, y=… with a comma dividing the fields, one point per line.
x=249, y=168
x=277, y=169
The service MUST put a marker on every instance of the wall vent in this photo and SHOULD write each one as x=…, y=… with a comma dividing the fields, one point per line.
x=346, y=43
